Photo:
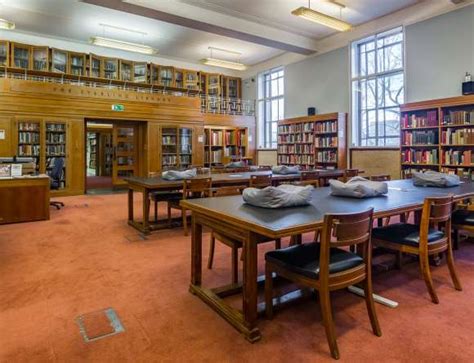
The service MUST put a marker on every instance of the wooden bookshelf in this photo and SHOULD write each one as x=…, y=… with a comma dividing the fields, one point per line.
x=223, y=145
x=20, y=56
x=55, y=147
x=438, y=135
x=77, y=64
x=110, y=68
x=166, y=76
x=96, y=66
x=176, y=147
x=140, y=72
x=313, y=141
x=29, y=140
x=40, y=58
x=59, y=61
x=126, y=70
x=4, y=53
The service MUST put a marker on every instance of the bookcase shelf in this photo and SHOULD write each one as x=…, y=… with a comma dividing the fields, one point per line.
x=313, y=141
x=176, y=147
x=438, y=135
x=223, y=145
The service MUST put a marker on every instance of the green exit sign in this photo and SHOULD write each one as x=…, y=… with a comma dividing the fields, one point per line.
x=118, y=108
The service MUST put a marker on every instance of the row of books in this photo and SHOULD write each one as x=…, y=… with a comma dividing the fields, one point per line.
x=458, y=136
x=168, y=140
x=29, y=126
x=414, y=156
x=234, y=150
x=216, y=138
x=326, y=157
x=296, y=159
x=55, y=127
x=293, y=138
x=326, y=141
x=326, y=126
x=461, y=172
x=55, y=138
x=459, y=118
x=458, y=157
x=234, y=137
x=413, y=121
x=28, y=150
x=55, y=150
x=185, y=159
x=407, y=172
x=26, y=137
x=125, y=160
x=213, y=156
x=296, y=149
x=419, y=137
x=168, y=160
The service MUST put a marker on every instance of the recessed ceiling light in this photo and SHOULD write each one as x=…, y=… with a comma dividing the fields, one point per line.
x=224, y=64
x=323, y=19
x=119, y=44
x=5, y=24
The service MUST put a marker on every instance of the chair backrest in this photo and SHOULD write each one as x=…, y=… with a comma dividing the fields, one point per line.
x=260, y=181
x=381, y=177
x=57, y=170
x=310, y=178
x=349, y=173
x=197, y=187
x=234, y=190
x=436, y=210
x=343, y=230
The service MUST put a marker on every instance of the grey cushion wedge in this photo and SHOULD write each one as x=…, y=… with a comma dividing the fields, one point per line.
x=278, y=197
x=358, y=187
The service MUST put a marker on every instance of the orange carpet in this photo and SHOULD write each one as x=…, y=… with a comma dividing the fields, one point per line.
x=86, y=258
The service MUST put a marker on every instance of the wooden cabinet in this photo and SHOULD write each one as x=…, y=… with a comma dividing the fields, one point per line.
x=140, y=72
x=176, y=147
x=154, y=74
x=126, y=70
x=225, y=144
x=4, y=53
x=166, y=78
x=96, y=66
x=191, y=80
x=20, y=56
x=313, y=141
x=111, y=68
x=59, y=61
x=40, y=58
x=77, y=64
x=179, y=78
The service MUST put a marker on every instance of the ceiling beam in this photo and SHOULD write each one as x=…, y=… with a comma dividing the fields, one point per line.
x=199, y=25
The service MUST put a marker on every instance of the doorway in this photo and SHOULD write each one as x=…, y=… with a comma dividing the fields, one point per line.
x=111, y=154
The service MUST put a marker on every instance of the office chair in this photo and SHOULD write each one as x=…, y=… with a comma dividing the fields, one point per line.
x=55, y=179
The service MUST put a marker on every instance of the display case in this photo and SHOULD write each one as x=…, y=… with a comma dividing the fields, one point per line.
x=126, y=70
x=21, y=56
x=140, y=72
x=110, y=68
x=191, y=80
x=96, y=66
x=40, y=56
x=59, y=61
x=4, y=53
x=77, y=64
x=166, y=76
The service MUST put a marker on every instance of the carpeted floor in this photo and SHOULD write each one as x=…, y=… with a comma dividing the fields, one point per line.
x=86, y=258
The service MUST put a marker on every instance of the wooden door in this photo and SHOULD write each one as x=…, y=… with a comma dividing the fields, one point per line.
x=125, y=147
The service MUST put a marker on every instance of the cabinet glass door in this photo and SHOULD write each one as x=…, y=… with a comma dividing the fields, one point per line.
x=40, y=58
x=185, y=147
x=29, y=140
x=59, y=61
x=169, y=148
x=77, y=64
x=125, y=161
x=56, y=149
x=110, y=68
x=4, y=46
x=95, y=66
x=21, y=56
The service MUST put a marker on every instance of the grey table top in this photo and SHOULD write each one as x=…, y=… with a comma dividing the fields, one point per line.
x=401, y=194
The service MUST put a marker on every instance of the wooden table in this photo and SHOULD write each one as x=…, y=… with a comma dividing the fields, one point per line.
x=24, y=199
x=148, y=185
x=231, y=216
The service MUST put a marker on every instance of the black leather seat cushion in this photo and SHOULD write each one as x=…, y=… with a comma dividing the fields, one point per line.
x=165, y=196
x=404, y=233
x=463, y=217
x=304, y=259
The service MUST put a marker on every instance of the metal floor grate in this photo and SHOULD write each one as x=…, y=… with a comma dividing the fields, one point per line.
x=99, y=324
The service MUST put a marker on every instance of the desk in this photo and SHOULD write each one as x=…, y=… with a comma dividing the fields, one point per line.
x=24, y=199
x=148, y=185
x=231, y=216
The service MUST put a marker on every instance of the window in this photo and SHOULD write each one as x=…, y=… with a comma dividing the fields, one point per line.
x=270, y=106
x=378, y=88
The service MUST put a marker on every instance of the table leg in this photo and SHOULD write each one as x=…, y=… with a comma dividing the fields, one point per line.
x=250, y=286
x=130, y=205
x=146, y=212
x=196, y=252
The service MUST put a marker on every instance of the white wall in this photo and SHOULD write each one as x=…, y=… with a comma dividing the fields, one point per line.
x=439, y=52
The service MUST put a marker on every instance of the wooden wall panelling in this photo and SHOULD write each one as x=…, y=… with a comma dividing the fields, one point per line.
x=198, y=146
x=375, y=161
x=154, y=137
x=6, y=144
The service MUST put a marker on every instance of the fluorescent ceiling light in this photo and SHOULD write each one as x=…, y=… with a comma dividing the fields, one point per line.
x=323, y=19
x=5, y=24
x=224, y=64
x=119, y=44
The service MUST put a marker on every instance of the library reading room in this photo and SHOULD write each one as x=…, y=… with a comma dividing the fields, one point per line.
x=236, y=181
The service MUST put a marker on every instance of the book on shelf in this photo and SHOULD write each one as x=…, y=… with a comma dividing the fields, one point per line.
x=459, y=118
x=419, y=137
x=458, y=157
x=325, y=141
x=457, y=136
x=429, y=119
x=467, y=173
x=325, y=127
x=326, y=156
x=414, y=156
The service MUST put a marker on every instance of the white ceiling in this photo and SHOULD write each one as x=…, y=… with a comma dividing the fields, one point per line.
x=266, y=25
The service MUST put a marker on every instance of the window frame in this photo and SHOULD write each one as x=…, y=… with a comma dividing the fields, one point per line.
x=356, y=77
x=264, y=125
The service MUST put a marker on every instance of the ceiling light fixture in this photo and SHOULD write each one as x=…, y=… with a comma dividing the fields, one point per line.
x=211, y=61
x=119, y=44
x=320, y=18
x=5, y=24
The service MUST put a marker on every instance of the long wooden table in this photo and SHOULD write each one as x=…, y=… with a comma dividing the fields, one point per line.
x=24, y=199
x=149, y=185
x=232, y=217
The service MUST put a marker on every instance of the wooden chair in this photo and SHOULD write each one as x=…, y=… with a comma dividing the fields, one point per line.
x=350, y=173
x=232, y=243
x=192, y=188
x=260, y=181
x=162, y=196
x=310, y=178
x=462, y=220
x=326, y=267
x=381, y=177
x=431, y=237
